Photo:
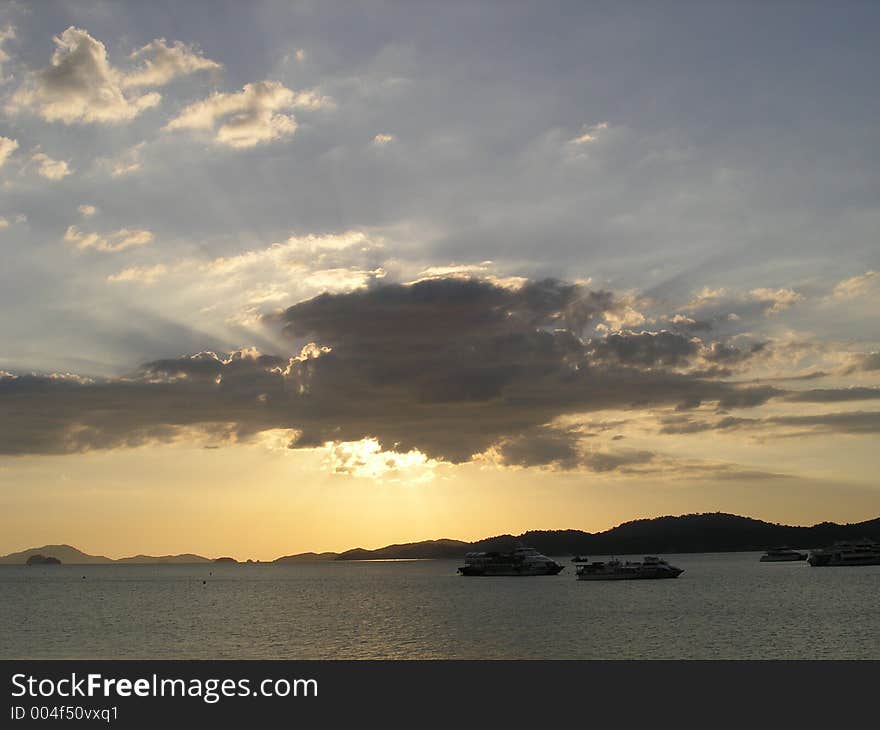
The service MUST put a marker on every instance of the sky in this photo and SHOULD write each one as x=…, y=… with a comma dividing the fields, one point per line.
x=280, y=277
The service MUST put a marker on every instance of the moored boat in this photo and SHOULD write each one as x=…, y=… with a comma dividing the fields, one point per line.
x=519, y=562
x=782, y=555
x=651, y=568
x=861, y=552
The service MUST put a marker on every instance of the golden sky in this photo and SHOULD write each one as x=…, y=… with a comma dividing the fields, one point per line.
x=300, y=278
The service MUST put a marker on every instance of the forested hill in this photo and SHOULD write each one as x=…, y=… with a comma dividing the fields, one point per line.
x=711, y=532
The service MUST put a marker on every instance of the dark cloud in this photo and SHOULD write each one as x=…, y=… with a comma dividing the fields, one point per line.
x=561, y=449
x=645, y=349
x=853, y=422
x=867, y=362
x=449, y=367
x=617, y=461
x=542, y=447
x=833, y=395
x=726, y=354
x=685, y=424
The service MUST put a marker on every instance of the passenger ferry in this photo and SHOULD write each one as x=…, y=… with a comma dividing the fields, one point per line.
x=519, y=562
x=651, y=568
x=862, y=552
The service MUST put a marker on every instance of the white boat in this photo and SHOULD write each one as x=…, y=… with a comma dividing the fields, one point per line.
x=520, y=562
x=862, y=552
x=782, y=555
x=651, y=568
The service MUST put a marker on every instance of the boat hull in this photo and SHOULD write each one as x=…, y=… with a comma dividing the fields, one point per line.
x=508, y=571
x=783, y=559
x=828, y=561
x=660, y=575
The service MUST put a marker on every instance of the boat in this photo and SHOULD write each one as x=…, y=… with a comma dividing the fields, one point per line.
x=519, y=562
x=782, y=555
x=651, y=568
x=861, y=552
x=580, y=559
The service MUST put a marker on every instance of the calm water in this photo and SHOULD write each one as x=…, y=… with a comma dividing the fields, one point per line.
x=723, y=607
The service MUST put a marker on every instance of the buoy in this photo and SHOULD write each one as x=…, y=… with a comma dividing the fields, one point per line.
x=204, y=582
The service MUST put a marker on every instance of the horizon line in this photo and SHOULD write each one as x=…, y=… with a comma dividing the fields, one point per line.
x=438, y=539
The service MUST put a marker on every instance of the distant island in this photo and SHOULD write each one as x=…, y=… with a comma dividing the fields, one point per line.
x=696, y=533
x=40, y=559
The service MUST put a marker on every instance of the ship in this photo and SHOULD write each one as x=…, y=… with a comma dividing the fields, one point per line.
x=519, y=562
x=651, y=568
x=862, y=552
x=782, y=555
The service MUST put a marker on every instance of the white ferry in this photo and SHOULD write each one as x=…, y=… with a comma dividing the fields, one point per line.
x=521, y=561
x=651, y=568
x=863, y=552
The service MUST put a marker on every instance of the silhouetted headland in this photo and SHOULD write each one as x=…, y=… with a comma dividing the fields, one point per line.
x=696, y=533
x=699, y=533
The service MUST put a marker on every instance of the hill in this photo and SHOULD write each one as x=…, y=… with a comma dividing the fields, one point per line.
x=184, y=558
x=443, y=548
x=698, y=533
x=67, y=554
x=695, y=533
x=306, y=558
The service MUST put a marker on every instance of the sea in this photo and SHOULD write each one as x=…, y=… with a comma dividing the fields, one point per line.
x=724, y=606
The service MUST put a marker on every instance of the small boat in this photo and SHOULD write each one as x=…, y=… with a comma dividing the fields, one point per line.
x=651, y=568
x=863, y=552
x=782, y=555
x=520, y=562
x=579, y=559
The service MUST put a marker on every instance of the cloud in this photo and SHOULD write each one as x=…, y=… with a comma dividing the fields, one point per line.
x=665, y=349
x=367, y=459
x=162, y=63
x=248, y=117
x=447, y=368
x=125, y=163
x=645, y=349
x=871, y=361
x=688, y=324
x=87, y=211
x=6, y=33
x=853, y=422
x=139, y=274
x=109, y=243
x=49, y=168
x=7, y=147
x=543, y=446
x=856, y=286
x=589, y=135
x=80, y=85
x=727, y=354
x=848, y=422
x=774, y=301
x=563, y=449
x=834, y=395
x=713, y=308
x=605, y=461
